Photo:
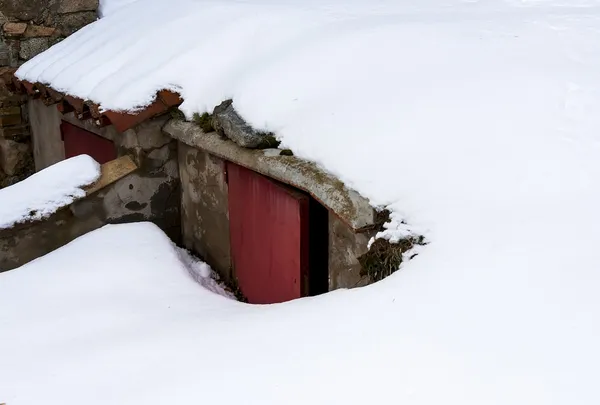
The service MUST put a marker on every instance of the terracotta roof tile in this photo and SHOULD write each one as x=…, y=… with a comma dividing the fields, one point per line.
x=165, y=99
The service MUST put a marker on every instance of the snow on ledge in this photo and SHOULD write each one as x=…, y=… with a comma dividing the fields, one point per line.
x=45, y=192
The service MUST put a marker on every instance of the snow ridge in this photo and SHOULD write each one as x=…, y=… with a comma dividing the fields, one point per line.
x=46, y=191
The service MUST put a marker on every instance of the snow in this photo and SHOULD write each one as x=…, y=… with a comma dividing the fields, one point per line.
x=108, y=7
x=201, y=272
x=46, y=191
x=475, y=122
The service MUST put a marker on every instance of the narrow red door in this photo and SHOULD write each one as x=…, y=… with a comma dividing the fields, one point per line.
x=268, y=225
x=78, y=141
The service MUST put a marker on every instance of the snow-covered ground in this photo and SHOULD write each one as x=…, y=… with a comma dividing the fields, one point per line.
x=475, y=122
x=116, y=317
x=43, y=193
x=108, y=7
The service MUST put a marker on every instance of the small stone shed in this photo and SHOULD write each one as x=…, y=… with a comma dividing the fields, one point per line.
x=274, y=226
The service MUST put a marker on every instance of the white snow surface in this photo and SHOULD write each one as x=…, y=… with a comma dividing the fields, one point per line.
x=107, y=7
x=46, y=191
x=475, y=122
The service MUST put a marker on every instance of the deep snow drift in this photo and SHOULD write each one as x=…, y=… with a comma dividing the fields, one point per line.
x=475, y=122
x=43, y=193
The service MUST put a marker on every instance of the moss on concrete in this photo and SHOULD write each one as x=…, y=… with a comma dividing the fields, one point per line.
x=177, y=114
x=204, y=121
x=269, y=140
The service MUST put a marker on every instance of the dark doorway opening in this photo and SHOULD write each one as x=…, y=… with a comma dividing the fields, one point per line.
x=279, y=238
x=318, y=248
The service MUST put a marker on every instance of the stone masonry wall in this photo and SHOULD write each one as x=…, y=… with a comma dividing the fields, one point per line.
x=16, y=159
x=29, y=27
x=153, y=192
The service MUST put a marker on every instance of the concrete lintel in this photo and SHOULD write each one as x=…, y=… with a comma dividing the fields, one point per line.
x=347, y=204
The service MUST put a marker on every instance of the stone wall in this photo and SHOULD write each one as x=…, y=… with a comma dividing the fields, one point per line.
x=152, y=193
x=16, y=160
x=29, y=27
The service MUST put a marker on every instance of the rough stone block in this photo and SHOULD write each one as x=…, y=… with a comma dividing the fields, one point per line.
x=24, y=113
x=56, y=39
x=227, y=122
x=12, y=29
x=69, y=23
x=23, y=10
x=12, y=100
x=5, y=94
x=4, y=54
x=14, y=156
x=14, y=47
x=32, y=47
x=10, y=110
x=9, y=120
x=6, y=73
x=39, y=31
x=18, y=133
x=75, y=6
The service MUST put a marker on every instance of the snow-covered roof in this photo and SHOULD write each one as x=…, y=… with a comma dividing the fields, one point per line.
x=475, y=122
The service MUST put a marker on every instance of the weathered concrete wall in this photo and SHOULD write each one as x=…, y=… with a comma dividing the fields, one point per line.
x=345, y=247
x=24, y=243
x=46, y=140
x=205, y=208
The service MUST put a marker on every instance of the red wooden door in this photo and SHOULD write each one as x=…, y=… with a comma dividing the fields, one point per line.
x=268, y=225
x=78, y=141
